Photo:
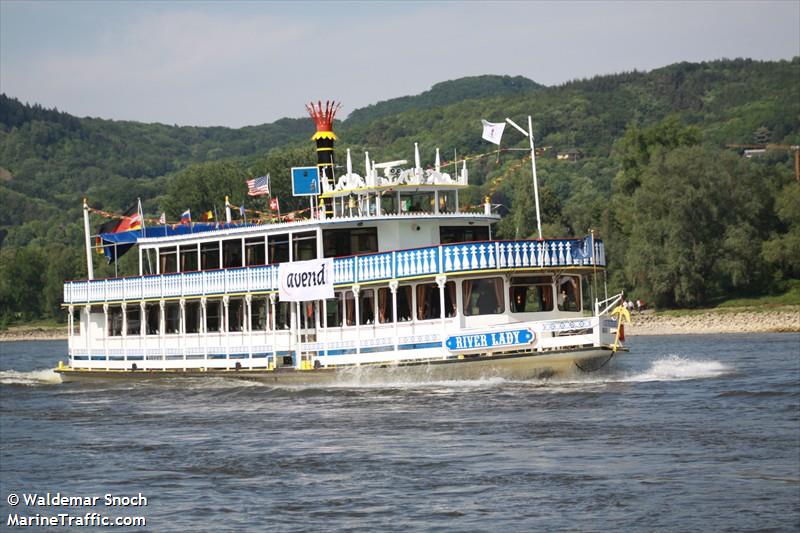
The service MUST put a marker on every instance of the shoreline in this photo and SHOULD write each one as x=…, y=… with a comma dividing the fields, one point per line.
x=35, y=333
x=780, y=320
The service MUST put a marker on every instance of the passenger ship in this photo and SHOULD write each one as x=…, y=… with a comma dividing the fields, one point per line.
x=412, y=284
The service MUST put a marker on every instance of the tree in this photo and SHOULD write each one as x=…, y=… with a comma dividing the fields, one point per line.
x=203, y=187
x=783, y=247
x=695, y=225
x=21, y=282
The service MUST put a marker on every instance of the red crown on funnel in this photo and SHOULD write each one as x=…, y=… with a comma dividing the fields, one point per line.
x=323, y=118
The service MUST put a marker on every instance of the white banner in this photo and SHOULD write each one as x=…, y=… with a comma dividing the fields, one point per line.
x=493, y=131
x=305, y=281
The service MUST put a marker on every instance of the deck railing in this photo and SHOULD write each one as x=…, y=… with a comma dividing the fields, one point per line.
x=457, y=258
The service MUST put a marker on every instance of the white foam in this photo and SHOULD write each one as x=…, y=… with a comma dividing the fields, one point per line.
x=677, y=368
x=34, y=377
x=668, y=368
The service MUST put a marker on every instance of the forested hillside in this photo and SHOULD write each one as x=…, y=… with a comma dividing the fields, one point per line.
x=686, y=219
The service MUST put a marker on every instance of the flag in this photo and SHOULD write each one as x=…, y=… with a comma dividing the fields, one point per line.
x=493, y=131
x=186, y=217
x=162, y=219
x=131, y=220
x=208, y=215
x=273, y=204
x=258, y=186
x=583, y=249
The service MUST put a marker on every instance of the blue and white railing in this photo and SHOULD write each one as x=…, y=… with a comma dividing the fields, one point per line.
x=458, y=258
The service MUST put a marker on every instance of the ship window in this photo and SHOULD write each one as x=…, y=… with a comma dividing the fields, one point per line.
x=385, y=311
x=212, y=315
x=366, y=307
x=192, y=310
x=447, y=201
x=421, y=202
x=232, y=253
x=114, y=321
x=153, y=316
x=349, y=308
x=254, y=251
x=168, y=260
x=482, y=296
x=209, y=255
x=76, y=321
x=258, y=314
x=278, y=248
x=448, y=234
x=389, y=203
x=172, y=317
x=305, y=246
x=569, y=293
x=404, y=303
x=531, y=294
x=333, y=309
x=385, y=305
x=188, y=258
x=366, y=299
x=235, y=314
x=344, y=242
x=307, y=319
x=133, y=319
x=282, y=315
x=428, y=305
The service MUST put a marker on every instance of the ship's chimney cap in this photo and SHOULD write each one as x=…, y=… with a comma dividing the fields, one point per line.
x=323, y=118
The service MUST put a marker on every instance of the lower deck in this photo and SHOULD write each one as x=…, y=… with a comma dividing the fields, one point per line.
x=371, y=324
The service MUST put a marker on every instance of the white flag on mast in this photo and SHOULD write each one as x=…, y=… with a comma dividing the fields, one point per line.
x=493, y=131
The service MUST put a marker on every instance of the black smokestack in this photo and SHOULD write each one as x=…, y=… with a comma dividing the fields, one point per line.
x=323, y=118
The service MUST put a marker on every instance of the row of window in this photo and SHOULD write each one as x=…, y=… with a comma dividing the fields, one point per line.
x=400, y=202
x=421, y=301
x=274, y=249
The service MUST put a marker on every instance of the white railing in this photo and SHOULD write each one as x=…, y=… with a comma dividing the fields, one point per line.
x=427, y=261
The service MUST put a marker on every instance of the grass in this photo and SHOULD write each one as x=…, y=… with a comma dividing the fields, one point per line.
x=790, y=297
x=788, y=300
x=43, y=323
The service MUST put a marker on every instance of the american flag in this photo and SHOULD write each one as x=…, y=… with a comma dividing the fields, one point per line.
x=258, y=186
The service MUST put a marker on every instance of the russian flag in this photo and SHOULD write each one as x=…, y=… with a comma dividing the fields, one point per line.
x=186, y=217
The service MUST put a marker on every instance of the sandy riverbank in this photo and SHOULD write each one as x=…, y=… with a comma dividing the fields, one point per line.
x=783, y=319
x=27, y=333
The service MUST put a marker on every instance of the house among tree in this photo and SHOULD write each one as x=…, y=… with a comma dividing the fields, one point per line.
x=754, y=152
x=572, y=154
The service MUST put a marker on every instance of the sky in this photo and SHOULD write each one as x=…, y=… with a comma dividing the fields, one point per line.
x=246, y=63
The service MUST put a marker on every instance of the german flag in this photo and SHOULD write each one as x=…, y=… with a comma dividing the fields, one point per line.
x=131, y=220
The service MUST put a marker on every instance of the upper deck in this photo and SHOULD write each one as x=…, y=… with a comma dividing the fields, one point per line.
x=425, y=262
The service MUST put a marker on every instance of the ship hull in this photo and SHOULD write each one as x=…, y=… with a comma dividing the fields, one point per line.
x=516, y=366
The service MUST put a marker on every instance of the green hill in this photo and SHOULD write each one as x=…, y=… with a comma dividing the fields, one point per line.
x=446, y=93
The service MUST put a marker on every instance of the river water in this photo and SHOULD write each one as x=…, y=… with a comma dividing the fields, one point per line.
x=685, y=433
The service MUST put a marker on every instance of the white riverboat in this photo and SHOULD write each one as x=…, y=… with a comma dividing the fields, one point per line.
x=409, y=283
